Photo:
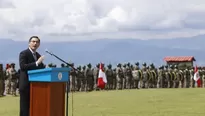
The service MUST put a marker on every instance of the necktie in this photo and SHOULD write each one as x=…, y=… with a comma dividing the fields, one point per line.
x=34, y=55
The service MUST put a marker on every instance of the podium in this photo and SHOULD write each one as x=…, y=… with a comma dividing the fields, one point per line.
x=47, y=91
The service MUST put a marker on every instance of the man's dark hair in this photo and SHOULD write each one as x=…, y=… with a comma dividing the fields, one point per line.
x=34, y=37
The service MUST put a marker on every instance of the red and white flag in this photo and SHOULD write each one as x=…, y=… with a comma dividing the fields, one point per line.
x=102, y=79
x=197, y=77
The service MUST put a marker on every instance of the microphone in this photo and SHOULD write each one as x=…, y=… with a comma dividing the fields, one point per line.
x=48, y=52
x=68, y=64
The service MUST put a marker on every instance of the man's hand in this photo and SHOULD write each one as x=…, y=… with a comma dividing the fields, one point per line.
x=40, y=60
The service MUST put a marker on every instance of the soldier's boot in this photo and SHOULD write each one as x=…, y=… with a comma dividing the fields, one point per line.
x=138, y=84
x=182, y=84
x=1, y=92
x=13, y=93
x=172, y=84
x=121, y=85
x=8, y=91
x=203, y=81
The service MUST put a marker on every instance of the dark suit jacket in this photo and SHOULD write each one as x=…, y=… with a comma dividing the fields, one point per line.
x=27, y=62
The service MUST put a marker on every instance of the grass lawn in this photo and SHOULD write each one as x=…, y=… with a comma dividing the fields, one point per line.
x=144, y=102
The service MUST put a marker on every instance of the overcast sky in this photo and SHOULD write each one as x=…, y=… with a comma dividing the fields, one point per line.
x=93, y=19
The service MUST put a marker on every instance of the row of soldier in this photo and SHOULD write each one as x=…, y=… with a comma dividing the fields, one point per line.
x=127, y=76
x=124, y=76
x=8, y=80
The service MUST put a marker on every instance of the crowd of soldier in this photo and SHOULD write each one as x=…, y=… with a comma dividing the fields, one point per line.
x=128, y=76
x=124, y=76
x=8, y=80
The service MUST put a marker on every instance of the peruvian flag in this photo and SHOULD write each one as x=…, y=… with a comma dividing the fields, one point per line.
x=102, y=79
x=197, y=77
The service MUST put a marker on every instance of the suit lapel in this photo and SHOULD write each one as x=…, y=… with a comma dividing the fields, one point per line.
x=38, y=55
x=31, y=55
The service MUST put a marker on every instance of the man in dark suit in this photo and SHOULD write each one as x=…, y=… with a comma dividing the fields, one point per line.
x=29, y=59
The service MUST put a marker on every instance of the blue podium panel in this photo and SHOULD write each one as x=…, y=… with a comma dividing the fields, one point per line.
x=49, y=75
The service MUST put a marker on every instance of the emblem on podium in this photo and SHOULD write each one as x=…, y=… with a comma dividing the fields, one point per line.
x=60, y=76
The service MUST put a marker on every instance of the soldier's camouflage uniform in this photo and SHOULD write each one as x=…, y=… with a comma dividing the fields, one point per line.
x=161, y=77
x=1, y=80
x=166, y=77
x=181, y=79
x=95, y=74
x=109, y=74
x=83, y=82
x=154, y=76
x=128, y=77
x=11, y=83
x=124, y=69
x=192, y=78
x=176, y=77
x=187, y=77
x=79, y=78
x=73, y=80
x=89, y=78
x=137, y=76
x=114, y=79
x=7, y=82
x=203, y=76
x=145, y=76
x=119, y=76
x=172, y=76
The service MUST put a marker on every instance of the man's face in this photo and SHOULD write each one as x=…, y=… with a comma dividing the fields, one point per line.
x=34, y=44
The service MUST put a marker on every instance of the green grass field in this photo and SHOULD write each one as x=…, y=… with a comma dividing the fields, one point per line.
x=143, y=102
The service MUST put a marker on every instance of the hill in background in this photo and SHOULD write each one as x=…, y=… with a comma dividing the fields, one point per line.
x=111, y=50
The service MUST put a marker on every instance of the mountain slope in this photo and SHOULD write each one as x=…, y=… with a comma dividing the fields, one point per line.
x=110, y=50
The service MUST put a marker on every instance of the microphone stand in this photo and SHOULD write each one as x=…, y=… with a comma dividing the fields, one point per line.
x=67, y=85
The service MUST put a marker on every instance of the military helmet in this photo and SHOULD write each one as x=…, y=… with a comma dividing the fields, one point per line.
x=128, y=64
x=62, y=65
x=79, y=67
x=144, y=64
x=162, y=66
x=109, y=65
x=50, y=65
x=89, y=64
x=84, y=67
x=152, y=65
x=171, y=66
x=137, y=63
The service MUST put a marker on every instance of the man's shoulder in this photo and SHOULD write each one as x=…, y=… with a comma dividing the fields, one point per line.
x=24, y=51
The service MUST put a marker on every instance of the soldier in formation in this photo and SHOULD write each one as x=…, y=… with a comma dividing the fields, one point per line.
x=128, y=76
x=11, y=83
x=1, y=81
x=124, y=76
